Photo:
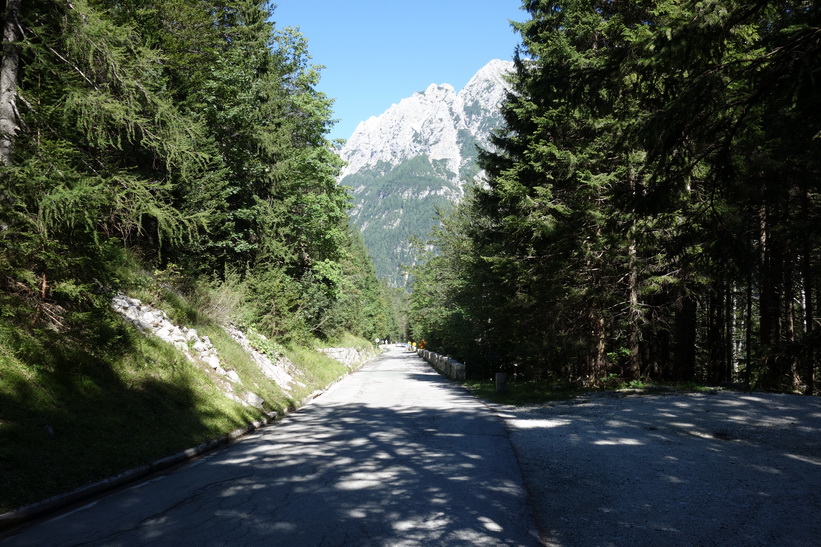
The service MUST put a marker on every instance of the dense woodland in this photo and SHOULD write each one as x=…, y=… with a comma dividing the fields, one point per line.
x=183, y=138
x=651, y=208
x=650, y=211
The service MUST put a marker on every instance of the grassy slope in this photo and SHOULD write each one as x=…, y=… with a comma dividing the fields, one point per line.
x=76, y=410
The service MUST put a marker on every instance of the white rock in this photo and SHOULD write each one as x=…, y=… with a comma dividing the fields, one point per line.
x=212, y=361
x=156, y=321
x=150, y=318
x=254, y=400
x=278, y=371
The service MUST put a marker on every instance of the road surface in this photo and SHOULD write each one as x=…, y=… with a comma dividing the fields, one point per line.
x=617, y=469
x=392, y=455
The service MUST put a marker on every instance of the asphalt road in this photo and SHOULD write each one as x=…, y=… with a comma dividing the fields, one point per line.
x=622, y=469
x=392, y=455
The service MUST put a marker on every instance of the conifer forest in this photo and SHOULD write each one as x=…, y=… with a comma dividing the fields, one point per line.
x=183, y=138
x=651, y=209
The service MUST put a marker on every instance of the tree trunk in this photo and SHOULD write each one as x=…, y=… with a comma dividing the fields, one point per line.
x=809, y=312
x=729, y=334
x=9, y=68
x=748, y=333
x=685, y=343
x=634, y=315
x=715, y=340
x=770, y=300
x=597, y=357
x=789, y=321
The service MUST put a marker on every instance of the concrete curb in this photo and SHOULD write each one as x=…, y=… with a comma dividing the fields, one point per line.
x=38, y=509
x=443, y=364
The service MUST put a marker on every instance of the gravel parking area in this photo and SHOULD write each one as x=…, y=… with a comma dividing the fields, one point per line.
x=724, y=468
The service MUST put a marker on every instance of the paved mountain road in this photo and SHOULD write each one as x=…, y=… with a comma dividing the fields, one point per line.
x=392, y=455
x=721, y=469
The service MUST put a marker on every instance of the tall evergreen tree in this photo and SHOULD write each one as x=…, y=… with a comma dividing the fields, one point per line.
x=643, y=205
x=191, y=133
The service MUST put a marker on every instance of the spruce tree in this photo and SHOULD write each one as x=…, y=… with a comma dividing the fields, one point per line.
x=643, y=203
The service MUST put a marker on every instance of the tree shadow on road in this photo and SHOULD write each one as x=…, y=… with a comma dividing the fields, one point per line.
x=336, y=472
x=697, y=469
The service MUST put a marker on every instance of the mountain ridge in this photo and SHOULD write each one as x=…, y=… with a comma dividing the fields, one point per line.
x=415, y=159
x=406, y=122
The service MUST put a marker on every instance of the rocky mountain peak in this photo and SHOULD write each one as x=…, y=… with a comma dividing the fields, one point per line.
x=430, y=122
x=414, y=160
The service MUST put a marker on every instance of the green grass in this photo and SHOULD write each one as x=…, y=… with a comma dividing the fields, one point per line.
x=318, y=371
x=347, y=340
x=71, y=416
x=534, y=393
x=77, y=407
x=521, y=393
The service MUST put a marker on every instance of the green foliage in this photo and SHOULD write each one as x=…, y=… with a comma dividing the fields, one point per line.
x=190, y=134
x=266, y=346
x=448, y=287
x=644, y=203
x=175, y=150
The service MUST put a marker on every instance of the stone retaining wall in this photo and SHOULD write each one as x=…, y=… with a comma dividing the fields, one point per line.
x=451, y=368
x=350, y=357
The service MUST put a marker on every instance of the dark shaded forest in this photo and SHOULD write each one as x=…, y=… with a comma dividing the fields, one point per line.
x=651, y=209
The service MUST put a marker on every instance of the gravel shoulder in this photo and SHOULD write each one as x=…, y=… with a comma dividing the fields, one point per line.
x=727, y=468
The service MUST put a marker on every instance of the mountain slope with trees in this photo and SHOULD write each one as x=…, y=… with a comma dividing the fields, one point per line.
x=652, y=210
x=174, y=150
x=414, y=160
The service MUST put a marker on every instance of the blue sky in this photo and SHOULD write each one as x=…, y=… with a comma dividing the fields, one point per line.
x=377, y=52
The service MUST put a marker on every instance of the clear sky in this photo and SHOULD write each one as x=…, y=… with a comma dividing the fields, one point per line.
x=377, y=52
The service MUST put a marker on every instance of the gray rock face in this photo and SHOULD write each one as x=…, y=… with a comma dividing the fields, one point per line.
x=196, y=348
x=416, y=158
x=437, y=123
